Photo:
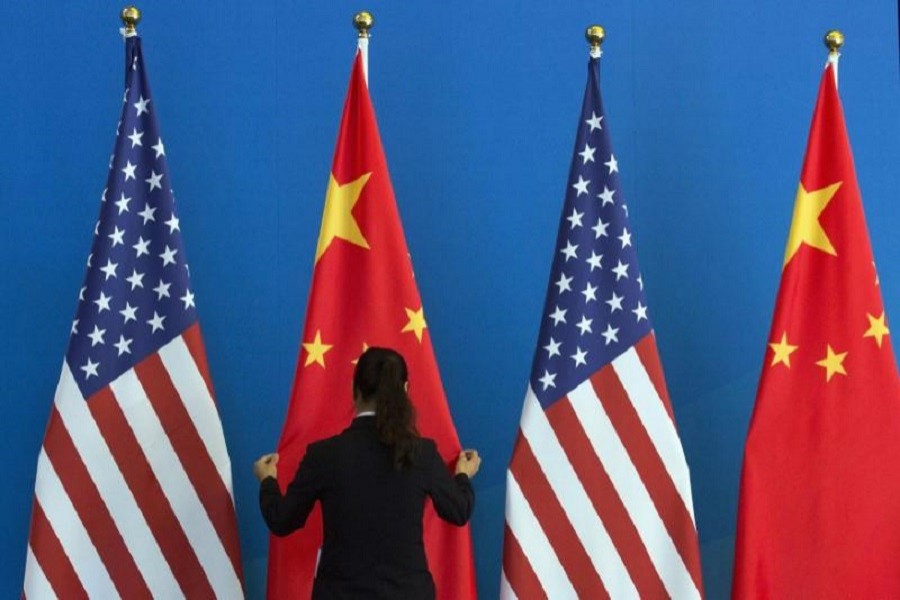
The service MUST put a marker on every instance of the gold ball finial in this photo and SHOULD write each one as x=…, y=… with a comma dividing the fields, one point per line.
x=363, y=22
x=130, y=17
x=834, y=39
x=595, y=35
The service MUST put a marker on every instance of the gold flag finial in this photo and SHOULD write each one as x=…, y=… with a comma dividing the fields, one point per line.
x=595, y=35
x=130, y=17
x=834, y=39
x=363, y=22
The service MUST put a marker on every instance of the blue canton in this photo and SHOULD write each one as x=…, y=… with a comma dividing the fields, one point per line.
x=595, y=308
x=136, y=295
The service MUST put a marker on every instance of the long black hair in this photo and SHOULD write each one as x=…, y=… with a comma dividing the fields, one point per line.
x=381, y=377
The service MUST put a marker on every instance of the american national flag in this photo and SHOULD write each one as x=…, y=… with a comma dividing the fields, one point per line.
x=598, y=492
x=133, y=489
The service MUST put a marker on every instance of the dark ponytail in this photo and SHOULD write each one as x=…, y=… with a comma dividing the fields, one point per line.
x=381, y=377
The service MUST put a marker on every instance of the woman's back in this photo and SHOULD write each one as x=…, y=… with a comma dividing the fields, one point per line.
x=372, y=512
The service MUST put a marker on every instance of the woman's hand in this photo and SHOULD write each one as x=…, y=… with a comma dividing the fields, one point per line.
x=468, y=463
x=267, y=466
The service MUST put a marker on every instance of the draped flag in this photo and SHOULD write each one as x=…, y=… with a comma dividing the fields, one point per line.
x=820, y=496
x=133, y=492
x=363, y=294
x=598, y=497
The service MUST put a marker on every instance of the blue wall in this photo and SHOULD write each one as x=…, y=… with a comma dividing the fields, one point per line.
x=709, y=104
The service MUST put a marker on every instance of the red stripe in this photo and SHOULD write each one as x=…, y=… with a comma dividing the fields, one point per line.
x=151, y=499
x=192, y=453
x=606, y=499
x=659, y=484
x=518, y=570
x=194, y=342
x=554, y=522
x=92, y=511
x=649, y=355
x=49, y=553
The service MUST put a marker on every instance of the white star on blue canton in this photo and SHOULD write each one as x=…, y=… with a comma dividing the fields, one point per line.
x=607, y=196
x=575, y=219
x=580, y=356
x=615, y=303
x=581, y=185
x=141, y=106
x=611, y=334
x=571, y=250
x=564, y=283
x=621, y=270
x=585, y=325
x=594, y=121
x=552, y=348
x=548, y=379
x=559, y=315
x=587, y=155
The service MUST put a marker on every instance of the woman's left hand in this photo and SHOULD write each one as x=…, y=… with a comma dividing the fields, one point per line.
x=266, y=466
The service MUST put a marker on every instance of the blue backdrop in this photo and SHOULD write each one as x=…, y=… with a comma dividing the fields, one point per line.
x=709, y=105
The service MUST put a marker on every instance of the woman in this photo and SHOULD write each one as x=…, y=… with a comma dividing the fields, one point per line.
x=372, y=481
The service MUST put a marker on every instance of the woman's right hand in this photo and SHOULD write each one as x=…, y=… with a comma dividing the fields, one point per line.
x=468, y=463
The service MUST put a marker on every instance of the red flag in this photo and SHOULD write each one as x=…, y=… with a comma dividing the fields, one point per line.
x=820, y=495
x=363, y=294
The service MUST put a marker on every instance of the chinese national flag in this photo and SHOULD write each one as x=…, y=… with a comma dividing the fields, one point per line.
x=363, y=294
x=819, y=512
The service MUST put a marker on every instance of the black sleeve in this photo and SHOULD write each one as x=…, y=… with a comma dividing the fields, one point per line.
x=285, y=514
x=453, y=496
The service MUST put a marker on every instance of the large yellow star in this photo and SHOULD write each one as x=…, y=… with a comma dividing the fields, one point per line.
x=805, y=226
x=315, y=350
x=877, y=328
x=416, y=322
x=337, y=220
x=833, y=363
x=782, y=351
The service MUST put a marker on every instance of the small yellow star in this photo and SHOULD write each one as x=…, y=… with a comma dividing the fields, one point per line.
x=877, y=328
x=365, y=347
x=805, y=226
x=782, y=351
x=315, y=350
x=833, y=363
x=416, y=322
x=337, y=218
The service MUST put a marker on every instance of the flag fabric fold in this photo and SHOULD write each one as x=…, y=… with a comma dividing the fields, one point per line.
x=598, y=491
x=819, y=490
x=133, y=492
x=363, y=294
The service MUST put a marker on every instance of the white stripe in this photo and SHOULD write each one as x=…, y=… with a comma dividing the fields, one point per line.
x=36, y=586
x=506, y=591
x=534, y=543
x=656, y=421
x=625, y=478
x=176, y=486
x=74, y=538
x=186, y=377
x=574, y=499
x=111, y=486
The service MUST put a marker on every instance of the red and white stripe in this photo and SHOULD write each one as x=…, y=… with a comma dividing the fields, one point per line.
x=598, y=492
x=133, y=493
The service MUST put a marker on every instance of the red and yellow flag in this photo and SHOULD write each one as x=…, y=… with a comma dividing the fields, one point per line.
x=363, y=294
x=820, y=492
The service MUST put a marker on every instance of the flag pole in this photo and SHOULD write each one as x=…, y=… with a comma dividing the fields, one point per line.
x=130, y=16
x=363, y=22
x=595, y=34
x=834, y=39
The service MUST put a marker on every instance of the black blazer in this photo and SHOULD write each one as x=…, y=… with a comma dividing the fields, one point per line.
x=372, y=512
